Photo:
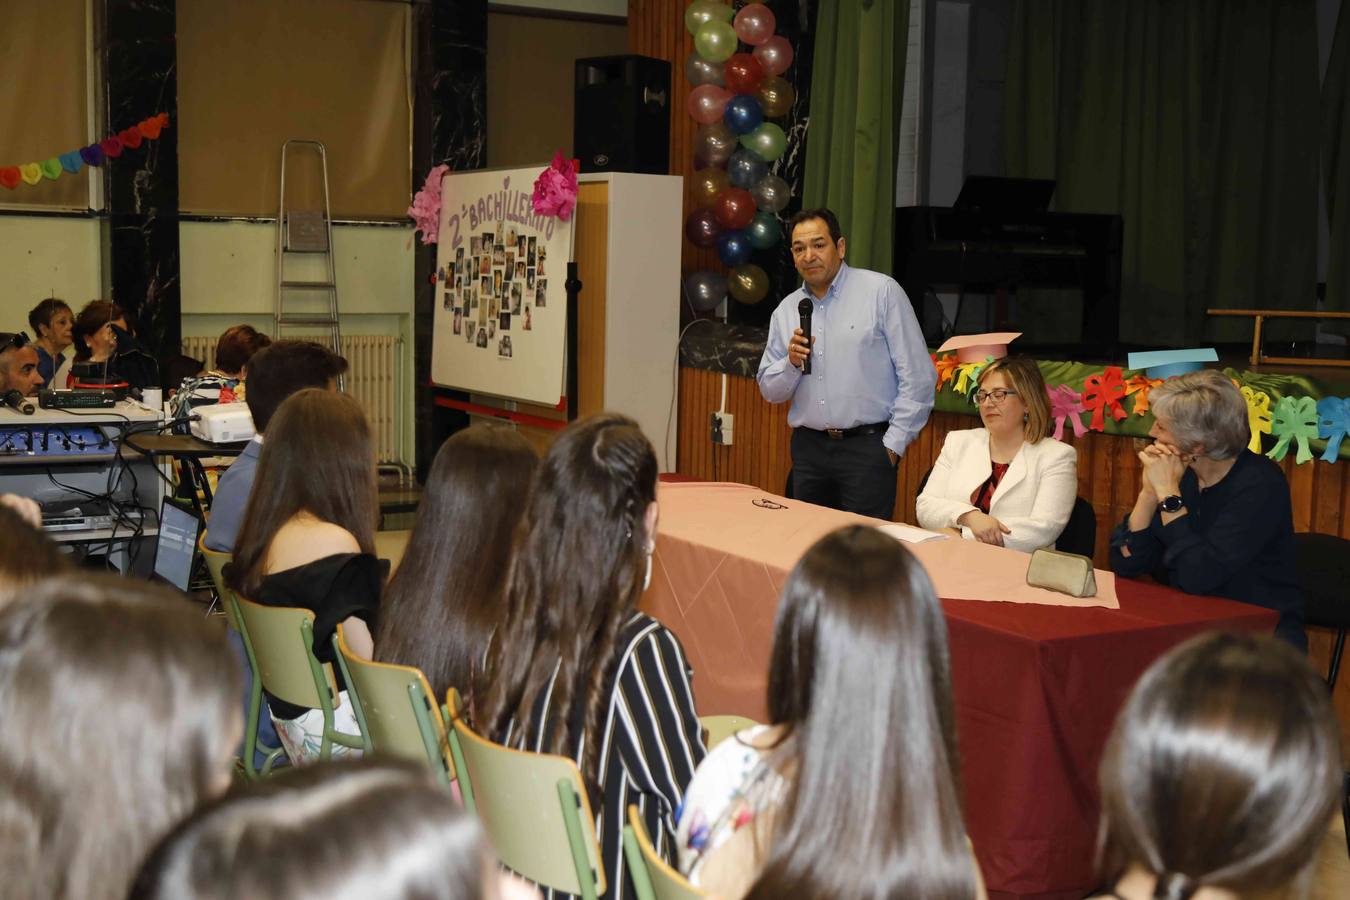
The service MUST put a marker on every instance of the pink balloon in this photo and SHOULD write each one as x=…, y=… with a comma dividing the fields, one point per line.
x=707, y=102
x=755, y=24
x=775, y=55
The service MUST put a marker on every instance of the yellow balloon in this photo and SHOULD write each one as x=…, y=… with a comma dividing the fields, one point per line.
x=748, y=283
x=708, y=184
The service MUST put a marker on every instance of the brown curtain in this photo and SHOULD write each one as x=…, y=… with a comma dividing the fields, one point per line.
x=43, y=100
x=253, y=73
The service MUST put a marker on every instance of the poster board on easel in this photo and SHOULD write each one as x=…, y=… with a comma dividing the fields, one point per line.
x=500, y=324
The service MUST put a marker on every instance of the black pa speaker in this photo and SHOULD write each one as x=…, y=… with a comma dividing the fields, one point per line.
x=622, y=115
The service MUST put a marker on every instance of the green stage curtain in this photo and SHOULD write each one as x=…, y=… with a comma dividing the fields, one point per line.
x=1336, y=166
x=1197, y=122
x=857, y=79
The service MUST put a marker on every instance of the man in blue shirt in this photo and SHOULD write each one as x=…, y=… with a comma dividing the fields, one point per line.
x=871, y=384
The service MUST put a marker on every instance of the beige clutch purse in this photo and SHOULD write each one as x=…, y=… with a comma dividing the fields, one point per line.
x=1067, y=573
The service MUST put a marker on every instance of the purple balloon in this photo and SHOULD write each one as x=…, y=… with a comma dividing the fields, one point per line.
x=743, y=114
x=701, y=228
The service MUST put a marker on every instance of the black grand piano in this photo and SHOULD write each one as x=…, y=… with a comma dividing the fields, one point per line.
x=998, y=238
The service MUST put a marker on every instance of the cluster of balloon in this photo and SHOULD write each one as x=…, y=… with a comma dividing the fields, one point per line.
x=735, y=92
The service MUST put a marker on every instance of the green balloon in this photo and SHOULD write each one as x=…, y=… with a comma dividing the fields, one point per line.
x=768, y=141
x=701, y=11
x=715, y=40
x=765, y=231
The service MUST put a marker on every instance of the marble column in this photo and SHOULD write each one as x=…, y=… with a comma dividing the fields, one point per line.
x=449, y=126
x=138, y=49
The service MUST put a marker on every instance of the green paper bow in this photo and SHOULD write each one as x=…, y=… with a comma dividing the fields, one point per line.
x=1295, y=418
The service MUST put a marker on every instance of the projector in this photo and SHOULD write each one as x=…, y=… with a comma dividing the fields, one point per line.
x=224, y=423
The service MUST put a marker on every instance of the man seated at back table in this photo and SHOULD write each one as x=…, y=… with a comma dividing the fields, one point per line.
x=274, y=373
x=18, y=364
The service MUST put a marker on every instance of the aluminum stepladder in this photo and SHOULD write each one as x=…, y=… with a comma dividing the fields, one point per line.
x=306, y=233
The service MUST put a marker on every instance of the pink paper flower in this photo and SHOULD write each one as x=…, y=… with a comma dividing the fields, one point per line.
x=555, y=190
x=426, y=208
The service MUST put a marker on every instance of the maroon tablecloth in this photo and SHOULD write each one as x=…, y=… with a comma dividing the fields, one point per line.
x=1037, y=688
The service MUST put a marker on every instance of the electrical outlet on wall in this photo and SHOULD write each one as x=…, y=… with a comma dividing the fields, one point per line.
x=723, y=425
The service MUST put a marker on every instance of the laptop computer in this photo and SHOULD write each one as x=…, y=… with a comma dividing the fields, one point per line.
x=176, y=545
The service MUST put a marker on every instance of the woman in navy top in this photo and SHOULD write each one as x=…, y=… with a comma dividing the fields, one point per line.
x=52, y=321
x=1212, y=517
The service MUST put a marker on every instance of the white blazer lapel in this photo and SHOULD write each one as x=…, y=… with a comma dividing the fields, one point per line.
x=1017, y=470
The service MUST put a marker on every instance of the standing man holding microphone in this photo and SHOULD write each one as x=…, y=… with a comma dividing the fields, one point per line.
x=846, y=349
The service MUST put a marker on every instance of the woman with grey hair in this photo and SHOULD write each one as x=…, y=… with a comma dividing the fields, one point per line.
x=1212, y=517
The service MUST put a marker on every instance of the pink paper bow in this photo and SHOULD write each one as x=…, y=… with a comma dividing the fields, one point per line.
x=1066, y=403
x=426, y=208
x=555, y=190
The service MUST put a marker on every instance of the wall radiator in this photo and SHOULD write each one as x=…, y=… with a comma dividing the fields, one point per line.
x=374, y=378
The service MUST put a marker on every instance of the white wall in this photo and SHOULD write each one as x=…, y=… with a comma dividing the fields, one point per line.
x=46, y=256
x=907, y=160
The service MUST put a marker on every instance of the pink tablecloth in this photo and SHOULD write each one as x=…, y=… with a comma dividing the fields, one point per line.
x=1037, y=686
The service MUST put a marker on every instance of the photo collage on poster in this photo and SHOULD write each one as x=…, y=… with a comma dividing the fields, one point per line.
x=496, y=287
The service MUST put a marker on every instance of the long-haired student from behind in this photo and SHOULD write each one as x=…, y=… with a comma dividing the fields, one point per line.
x=574, y=668
x=1221, y=776
x=308, y=540
x=854, y=788
x=440, y=607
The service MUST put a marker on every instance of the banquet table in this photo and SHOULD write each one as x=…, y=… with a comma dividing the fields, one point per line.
x=1036, y=687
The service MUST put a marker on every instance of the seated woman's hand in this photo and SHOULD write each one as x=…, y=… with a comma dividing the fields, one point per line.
x=1163, y=467
x=985, y=527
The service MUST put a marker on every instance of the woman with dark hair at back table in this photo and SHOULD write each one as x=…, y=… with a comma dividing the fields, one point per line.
x=103, y=336
x=308, y=540
x=574, y=668
x=854, y=790
x=440, y=607
x=369, y=830
x=1221, y=775
x=119, y=709
x=52, y=322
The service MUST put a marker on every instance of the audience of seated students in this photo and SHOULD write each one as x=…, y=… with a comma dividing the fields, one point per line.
x=854, y=790
x=574, y=668
x=1231, y=533
x=1005, y=483
x=18, y=364
x=1221, y=775
x=120, y=714
x=274, y=373
x=27, y=555
x=52, y=321
x=103, y=336
x=308, y=540
x=351, y=829
x=440, y=607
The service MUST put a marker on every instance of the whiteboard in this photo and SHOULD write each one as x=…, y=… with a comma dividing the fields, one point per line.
x=501, y=303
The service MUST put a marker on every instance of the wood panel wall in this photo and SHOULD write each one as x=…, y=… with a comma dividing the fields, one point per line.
x=1108, y=474
x=656, y=29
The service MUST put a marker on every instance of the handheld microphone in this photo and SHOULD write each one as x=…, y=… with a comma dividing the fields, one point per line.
x=804, y=310
x=15, y=401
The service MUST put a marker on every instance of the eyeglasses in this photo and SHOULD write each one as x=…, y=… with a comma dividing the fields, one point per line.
x=998, y=395
x=16, y=341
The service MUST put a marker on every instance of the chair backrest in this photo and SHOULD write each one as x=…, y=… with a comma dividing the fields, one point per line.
x=282, y=638
x=534, y=810
x=722, y=727
x=1080, y=533
x=652, y=876
x=398, y=714
x=1323, y=572
x=216, y=561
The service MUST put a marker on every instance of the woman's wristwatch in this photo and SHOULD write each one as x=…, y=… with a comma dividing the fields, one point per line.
x=1171, y=504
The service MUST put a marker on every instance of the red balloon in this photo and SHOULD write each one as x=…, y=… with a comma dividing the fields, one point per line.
x=701, y=227
x=744, y=74
x=707, y=102
x=735, y=208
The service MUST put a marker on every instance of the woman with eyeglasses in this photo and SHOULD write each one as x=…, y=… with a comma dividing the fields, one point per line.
x=1004, y=484
x=52, y=321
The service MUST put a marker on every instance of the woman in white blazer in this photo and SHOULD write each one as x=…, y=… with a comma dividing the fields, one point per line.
x=1005, y=483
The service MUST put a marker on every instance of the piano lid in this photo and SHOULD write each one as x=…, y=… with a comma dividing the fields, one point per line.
x=1007, y=196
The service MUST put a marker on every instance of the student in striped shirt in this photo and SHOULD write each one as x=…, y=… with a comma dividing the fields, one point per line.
x=574, y=668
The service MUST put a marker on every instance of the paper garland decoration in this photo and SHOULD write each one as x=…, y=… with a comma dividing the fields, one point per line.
x=1139, y=386
x=1333, y=421
x=72, y=161
x=1103, y=392
x=1066, y=403
x=1258, y=416
x=1295, y=419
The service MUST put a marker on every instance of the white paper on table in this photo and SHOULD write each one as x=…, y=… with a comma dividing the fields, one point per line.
x=908, y=534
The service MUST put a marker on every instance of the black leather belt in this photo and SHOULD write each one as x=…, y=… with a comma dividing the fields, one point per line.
x=838, y=434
